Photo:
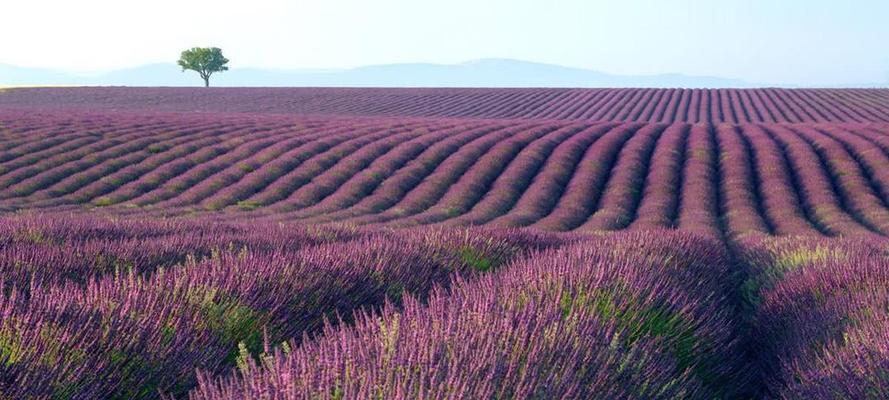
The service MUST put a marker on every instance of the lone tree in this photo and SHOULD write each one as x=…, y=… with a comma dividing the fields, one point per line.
x=204, y=60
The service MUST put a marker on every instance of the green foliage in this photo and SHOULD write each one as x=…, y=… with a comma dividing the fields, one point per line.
x=157, y=148
x=131, y=365
x=112, y=263
x=31, y=235
x=245, y=360
x=233, y=321
x=103, y=202
x=11, y=349
x=784, y=263
x=476, y=259
x=639, y=321
x=248, y=205
x=245, y=167
x=203, y=60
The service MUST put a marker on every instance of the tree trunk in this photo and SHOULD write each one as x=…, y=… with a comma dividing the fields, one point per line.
x=207, y=81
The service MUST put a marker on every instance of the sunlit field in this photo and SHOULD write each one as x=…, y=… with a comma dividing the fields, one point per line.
x=444, y=243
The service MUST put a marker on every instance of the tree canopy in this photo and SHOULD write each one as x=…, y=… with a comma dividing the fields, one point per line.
x=204, y=60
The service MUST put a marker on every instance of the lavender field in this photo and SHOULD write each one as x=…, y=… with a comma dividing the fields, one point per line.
x=444, y=243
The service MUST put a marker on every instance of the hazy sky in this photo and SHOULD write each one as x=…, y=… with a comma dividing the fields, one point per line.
x=807, y=42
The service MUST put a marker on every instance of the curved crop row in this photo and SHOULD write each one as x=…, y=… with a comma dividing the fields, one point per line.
x=733, y=180
x=331, y=173
x=504, y=192
x=266, y=166
x=75, y=181
x=659, y=203
x=780, y=193
x=141, y=331
x=134, y=180
x=604, y=319
x=122, y=144
x=284, y=185
x=257, y=180
x=616, y=206
x=435, y=185
x=201, y=170
x=165, y=161
x=739, y=184
x=586, y=185
x=699, y=208
x=234, y=168
x=878, y=135
x=374, y=176
x=396, y=185
x=466, y=191
x=819, y=193
x=853, y=178
x=820, y=316
x=109, y=307
x=547, y=187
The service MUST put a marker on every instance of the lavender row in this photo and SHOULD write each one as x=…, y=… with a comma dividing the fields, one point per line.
x=517, y=177
x=548, y=185
x=638, y=105
x=616, y=206
x=286, y=184
x=134, y=335
x=415, y=199
x=733, y=180
x=642, y=315
x=476, y=181
x=659, y=203
x=332, y=172
x=580, y=195
x=780, y=194
x=699, y=206
x=820, y=316
x=400, y=169
x=271, y=170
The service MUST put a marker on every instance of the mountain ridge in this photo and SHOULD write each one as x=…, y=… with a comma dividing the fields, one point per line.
x=488, y=72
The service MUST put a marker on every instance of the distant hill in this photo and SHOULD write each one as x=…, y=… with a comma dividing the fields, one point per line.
x=480, y=73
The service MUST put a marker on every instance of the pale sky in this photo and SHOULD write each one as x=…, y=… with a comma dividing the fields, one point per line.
x=807, y=42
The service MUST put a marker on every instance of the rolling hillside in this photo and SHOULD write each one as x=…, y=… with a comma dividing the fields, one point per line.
x=819, y=178
x=443, y=243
